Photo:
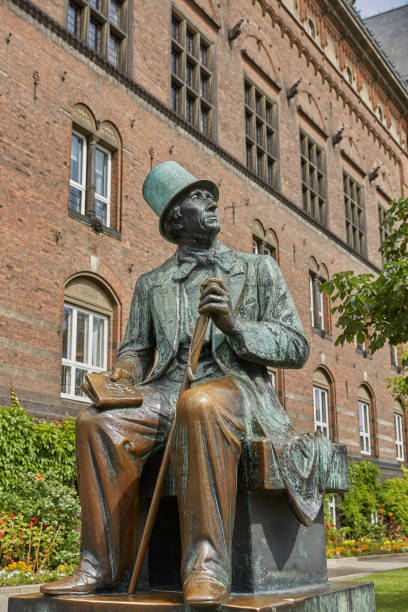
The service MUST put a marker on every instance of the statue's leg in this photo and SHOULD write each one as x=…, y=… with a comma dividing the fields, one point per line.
x=205, y=459
x=112, y=447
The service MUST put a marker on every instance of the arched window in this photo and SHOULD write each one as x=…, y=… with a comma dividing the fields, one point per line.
x=349, y=75
x=366, y=420
x=94, y=169
x=88, y=326
x=311, y=28
x=323, y=396
x=264, y=242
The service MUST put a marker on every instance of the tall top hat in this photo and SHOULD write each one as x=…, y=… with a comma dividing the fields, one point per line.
x=166, y=183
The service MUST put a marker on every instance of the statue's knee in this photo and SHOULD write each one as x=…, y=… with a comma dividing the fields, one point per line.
x=89, y=419
x=193, y=404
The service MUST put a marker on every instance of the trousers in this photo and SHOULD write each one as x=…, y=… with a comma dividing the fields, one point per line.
x=112, y=448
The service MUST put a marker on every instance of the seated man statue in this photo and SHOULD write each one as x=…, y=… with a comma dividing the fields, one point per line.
x=254, y=324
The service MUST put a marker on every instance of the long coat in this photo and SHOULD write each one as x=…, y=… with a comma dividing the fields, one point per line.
x=271, y=335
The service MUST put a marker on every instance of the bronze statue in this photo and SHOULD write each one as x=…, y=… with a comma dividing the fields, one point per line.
x=254, y=324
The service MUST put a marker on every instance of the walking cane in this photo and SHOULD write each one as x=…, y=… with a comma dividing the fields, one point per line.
x=193, y=357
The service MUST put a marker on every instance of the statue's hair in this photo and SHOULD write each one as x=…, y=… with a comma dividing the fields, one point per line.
x=171, y=223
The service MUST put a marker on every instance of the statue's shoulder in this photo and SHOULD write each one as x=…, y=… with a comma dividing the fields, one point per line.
x=158, y=275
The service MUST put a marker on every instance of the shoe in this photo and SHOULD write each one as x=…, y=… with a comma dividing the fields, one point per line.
x=204, y=590
x=78, y=583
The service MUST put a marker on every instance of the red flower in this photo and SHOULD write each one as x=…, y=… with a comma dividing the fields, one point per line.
x=5, y=520
x=2, y=534
x=31, y=524
x=35, y=519
x=45, y=526
x=11, y=515
x=39, y=477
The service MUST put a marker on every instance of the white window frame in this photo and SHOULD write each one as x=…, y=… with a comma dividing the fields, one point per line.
x=85, y=365
x=364, y=421
x=105, y=199
x=80, y=187
x=399, y=436
x=332, y=510
x=321, y=424
x=273, y=377
x=320, y=309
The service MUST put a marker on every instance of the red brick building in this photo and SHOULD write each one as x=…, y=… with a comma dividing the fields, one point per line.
x=288, y=105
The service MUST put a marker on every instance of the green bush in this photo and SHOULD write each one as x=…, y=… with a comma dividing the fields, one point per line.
x=361, y=500
x=39, y=505
x=394, y=497
x=40, y=447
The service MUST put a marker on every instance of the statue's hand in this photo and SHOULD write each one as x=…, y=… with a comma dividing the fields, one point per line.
x=215, y=301
x=123, y=368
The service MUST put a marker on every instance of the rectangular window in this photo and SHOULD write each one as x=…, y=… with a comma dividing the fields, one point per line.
x=192, y=78
x=94, y=37
x=261, y=141
x=114, y=16
x=314, y=178
x=399, y=438
x=321, y=410
x=364, y=420
x=355, y=215
x=103, y=165
x=74, y=19
x=103, y=26
x=84, y=348
x=77, y=180
x=114, y=50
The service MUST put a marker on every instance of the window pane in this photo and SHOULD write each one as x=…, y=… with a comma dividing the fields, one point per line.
x=75, y=198
x=96, y=4
x=101, y=211
x=67, y=333
x=204, y=115
x=79, y=379
x=190, y=74
x=175, y=62
x=74, y=19
x=323, y=402
x=175, y=98
x=66, y=379
x=77, y=159
x=203, y=55
x=115, y=12
x=190, y=42
x=190, y=109
x=113, y=54
x=175, y=28
x=101, y=173
x=98, y=342
x=317, y=405
x=94, y=38
x=82, y=337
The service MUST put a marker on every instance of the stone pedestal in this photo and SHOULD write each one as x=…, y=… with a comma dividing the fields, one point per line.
x=341, y=597
x=272, y=551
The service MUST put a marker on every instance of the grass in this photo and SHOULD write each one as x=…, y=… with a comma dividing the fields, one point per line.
x=391, y=590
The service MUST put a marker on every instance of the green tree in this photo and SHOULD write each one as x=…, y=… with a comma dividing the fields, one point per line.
x=375, y=309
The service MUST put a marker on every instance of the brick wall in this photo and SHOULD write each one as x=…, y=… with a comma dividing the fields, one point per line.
x=43, y=247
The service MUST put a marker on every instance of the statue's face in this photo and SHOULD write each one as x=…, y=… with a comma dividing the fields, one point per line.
x=199, y=212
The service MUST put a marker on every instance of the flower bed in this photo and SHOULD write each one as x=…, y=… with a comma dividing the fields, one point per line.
x=366, y=546
x=18, y=573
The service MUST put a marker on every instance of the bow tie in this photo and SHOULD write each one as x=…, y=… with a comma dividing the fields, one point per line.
x=188, y=262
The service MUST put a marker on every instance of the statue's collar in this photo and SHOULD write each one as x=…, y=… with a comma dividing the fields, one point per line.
x=220, y=256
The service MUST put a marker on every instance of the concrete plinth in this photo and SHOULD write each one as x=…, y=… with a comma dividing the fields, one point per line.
x=341, y=597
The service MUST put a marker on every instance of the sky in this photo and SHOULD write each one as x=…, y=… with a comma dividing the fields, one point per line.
x=373, y=7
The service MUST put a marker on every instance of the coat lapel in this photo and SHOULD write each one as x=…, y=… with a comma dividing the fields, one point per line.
x=233, y=273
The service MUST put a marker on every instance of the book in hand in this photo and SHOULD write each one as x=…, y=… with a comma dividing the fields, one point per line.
x=107, y=393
